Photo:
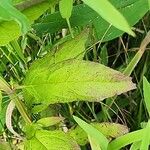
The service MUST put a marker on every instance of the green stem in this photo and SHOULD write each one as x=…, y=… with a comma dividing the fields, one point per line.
x=69, y=26
x=20, y=107
x=13, y=96
x=133, y=63
x=18, y=50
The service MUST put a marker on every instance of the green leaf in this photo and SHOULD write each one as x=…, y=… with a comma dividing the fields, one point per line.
x=3, y=117
x=104, y=55
x=79, y=135
x=149, y=4
x=82, y=15
x=65, y=7
x=146, y=89
x=126, y=139
x=146, y=138
x=96, y=136
x=0, y=101
x=107, y=11
x=50, y=121
x=74, y=48
x=110, y=130
x=74, y=80
x=4, y=86
x=8, y=12
x=11, y=30
x=51, y=140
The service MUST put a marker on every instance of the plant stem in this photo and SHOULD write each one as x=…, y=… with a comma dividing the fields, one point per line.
x=69, y=26
x=20, y=107
x=13, y=96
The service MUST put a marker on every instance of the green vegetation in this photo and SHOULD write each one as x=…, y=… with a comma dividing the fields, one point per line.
x=74, y=75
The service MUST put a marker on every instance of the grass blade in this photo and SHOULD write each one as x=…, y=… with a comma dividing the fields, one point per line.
x=94, y=134
x=107, y=11
x=146, y=89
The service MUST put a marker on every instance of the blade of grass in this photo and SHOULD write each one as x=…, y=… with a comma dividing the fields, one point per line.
x=126, y=140
x=95, y=135
x=146, y=90
x=146, y=138
x=4, y=86
x=131, y=66
x=107, y=11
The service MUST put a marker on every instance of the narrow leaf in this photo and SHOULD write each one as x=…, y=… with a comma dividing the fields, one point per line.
x=107, y=11
x=146, y=138
x=146, y=89
x=0, y=101
x=126, y=139
x=104, y=55
x=96, y=136
x=4, y=86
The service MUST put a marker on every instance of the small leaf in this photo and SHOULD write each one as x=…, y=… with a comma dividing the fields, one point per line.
x=104, y=55
x=74, y=80
x=146, y=89
x=65, y=7
x=98, y=137
x=51, y=140
x=50, y=121
x=107, y=11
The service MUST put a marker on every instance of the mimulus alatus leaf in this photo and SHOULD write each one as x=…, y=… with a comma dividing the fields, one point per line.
x=75, y=80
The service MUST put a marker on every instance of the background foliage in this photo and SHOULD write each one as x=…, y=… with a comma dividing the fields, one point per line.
x=64, y=74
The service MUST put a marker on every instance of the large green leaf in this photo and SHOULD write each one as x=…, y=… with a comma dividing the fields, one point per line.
x=83, y=15
x=51, y=140
x=75, y=80
x=10, y=30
